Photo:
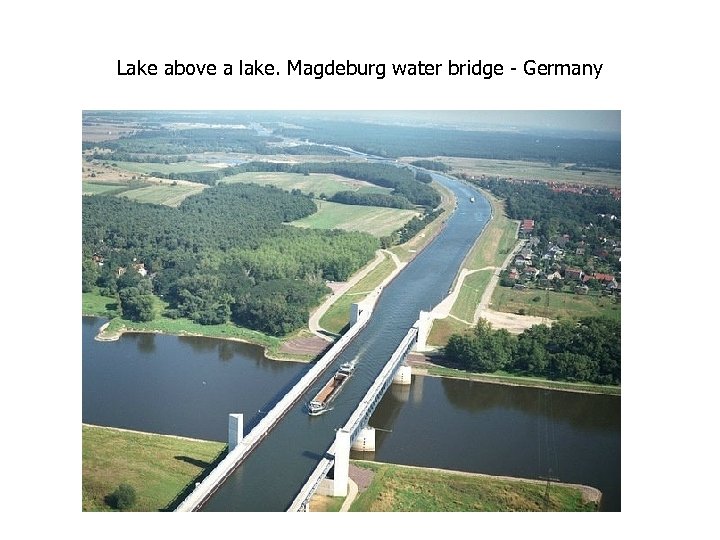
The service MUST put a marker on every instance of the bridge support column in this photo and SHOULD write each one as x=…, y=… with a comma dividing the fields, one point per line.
x=424, y=324
x=403, y=375
x=355, y=310
x=365, y=441
x=342, y=463
x=235, y=430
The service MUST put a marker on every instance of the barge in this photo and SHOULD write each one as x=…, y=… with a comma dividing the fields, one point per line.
x=325, y=396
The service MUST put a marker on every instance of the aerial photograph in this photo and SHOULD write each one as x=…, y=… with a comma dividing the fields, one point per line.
x=351, y=311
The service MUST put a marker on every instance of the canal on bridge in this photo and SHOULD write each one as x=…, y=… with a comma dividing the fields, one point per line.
x=269, y=479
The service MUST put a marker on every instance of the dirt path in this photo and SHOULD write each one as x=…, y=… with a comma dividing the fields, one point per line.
x=340, y=288
x=511, y=322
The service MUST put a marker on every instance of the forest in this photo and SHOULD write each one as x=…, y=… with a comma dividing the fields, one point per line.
x=396, y=141
x=553, y=211
x=224, y=254
x=584, y=351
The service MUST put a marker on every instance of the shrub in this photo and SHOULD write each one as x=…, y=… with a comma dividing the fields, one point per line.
x=123, y=498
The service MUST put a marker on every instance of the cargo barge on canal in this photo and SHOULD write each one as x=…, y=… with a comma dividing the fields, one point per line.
x=324, y=397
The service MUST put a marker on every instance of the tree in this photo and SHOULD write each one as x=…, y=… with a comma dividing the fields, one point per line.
x=136, y=306
x=90, y=273
x=123, y=498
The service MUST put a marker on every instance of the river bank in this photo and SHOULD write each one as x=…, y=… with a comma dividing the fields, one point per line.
x=112, y=456
x=422, y=365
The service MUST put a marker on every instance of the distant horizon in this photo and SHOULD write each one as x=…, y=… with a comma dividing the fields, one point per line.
x=598, y=121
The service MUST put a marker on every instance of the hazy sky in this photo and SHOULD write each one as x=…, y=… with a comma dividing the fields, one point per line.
x=602, y=121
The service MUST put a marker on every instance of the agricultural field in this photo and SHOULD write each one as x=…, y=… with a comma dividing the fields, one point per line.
x=89, y=188
x=106, y=131
x=555, y=305
x=370, y=219
x=165, y=168
x=527, y=170
x=316, y=183
x=158, y=467
x=167, y=194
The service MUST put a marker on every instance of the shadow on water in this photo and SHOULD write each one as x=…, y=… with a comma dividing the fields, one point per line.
x=190, y=486
x=315, y=457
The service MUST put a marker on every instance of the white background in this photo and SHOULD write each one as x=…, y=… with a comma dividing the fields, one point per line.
x=59, y=59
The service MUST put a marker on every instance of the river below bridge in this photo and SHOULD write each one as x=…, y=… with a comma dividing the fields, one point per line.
x=187, y=386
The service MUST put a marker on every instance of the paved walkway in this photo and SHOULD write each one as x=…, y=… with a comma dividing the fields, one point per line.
x=352, y=493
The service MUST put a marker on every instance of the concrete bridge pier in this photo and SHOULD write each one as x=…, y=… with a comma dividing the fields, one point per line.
x=355, y=310
x=341, y=475
x=235, y=430
x=365, y=441
x=403, y=375
x=424, y=324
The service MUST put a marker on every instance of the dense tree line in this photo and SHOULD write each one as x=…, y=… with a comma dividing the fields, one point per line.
x=396, y=141
x=431, y=165
x=224, y=254
x=556, y=212
x=584, y=351
x=410, y=229
x=162, y=140
x=371, y=199
x=423, y=177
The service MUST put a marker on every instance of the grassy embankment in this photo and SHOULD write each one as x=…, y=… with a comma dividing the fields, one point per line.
x=158, y=467
x=529, y=170
x=396, y=488
x=489, y=251
x=512, y=379
x=338, y=315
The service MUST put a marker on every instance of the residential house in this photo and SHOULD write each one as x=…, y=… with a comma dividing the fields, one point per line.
x=527, y=226
x=572, y=272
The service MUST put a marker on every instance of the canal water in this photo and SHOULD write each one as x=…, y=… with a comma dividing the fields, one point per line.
x=187, y=386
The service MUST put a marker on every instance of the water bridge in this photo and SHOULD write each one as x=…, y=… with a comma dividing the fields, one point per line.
x=288, y=455
x=356, y=432
x=338, y=455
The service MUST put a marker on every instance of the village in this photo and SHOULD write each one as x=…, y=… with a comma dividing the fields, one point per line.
x=589, y=264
